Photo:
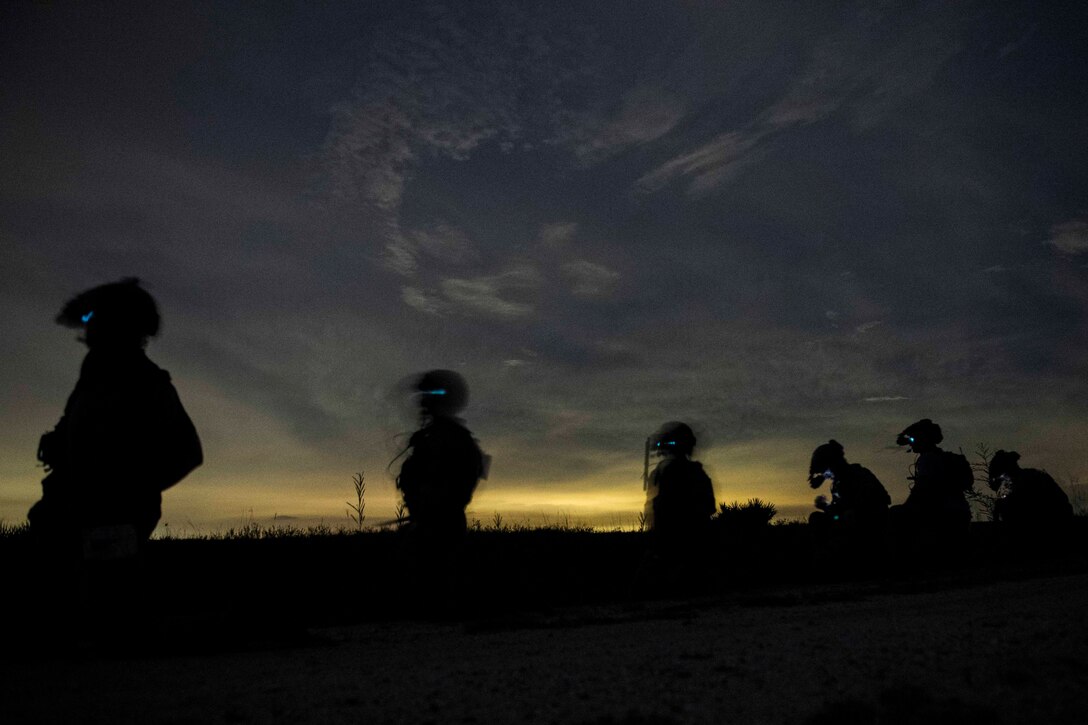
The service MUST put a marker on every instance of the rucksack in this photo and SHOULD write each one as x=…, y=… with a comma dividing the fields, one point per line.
x=958, y=470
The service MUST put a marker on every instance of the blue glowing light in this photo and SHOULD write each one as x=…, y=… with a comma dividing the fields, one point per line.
x=87, y=317
x=438, y=391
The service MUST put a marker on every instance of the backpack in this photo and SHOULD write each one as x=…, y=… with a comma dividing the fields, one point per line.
x=958, y=471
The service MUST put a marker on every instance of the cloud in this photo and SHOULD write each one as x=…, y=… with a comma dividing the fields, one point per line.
x=860, y=67
x=438, y=82
x=589, y=279
x=406, y=250
x=1070, y=237
x=490, y=295
x=646, y=113
x=867, y=326
x=445, y=243
x=400, y=254
x=423, y=301
x=558, y=234
x=368, y=151
x=711, y=164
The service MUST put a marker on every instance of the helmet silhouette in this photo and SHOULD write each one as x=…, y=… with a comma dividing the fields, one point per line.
x=826, y=457
x=674, y=436
x=1003, y=463
x=443, y=392
x=924, y=432
x=118, y=311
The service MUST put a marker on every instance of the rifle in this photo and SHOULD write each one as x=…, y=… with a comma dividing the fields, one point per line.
x=399, y=521
x=646, y=466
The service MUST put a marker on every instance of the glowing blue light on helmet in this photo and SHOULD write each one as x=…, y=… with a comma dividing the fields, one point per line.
x=87, y=317
x=437, y=391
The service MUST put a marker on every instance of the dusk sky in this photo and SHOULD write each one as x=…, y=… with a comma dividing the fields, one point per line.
x=778, y=222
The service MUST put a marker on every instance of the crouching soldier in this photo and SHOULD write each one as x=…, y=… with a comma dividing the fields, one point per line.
x=1030, y=499
x=936, y=512
x=859, y=503
x=679, y=494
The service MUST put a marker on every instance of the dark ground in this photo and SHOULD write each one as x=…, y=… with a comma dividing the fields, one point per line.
x=555, y=626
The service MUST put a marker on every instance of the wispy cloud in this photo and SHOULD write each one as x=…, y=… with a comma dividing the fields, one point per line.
x=423, y=301
x=445, y=86
x=1071, y=237
x=867, y=326
x=646, y=113
x=557, y=234
x=492, y=295
x=858, y=68
x=711, y=164
x=589, y=279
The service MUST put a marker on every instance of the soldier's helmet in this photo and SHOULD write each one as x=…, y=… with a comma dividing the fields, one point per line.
x=924, y=432
x=1002, y=464
x=825, y=458
x=674, y=436
x=442, y=392
x=120, y=311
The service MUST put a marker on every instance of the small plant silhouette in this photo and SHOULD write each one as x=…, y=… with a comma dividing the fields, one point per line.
x=752, y=514
x=400, y=514
x=356, y=511
x=979, y=496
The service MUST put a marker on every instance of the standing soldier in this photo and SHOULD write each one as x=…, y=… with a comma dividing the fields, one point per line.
x=679, y=494
x=440, y=475
x=437, y=481
x=124, y=437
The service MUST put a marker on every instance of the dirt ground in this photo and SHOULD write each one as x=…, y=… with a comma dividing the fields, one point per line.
x=1006, y=652
x=1009, y=652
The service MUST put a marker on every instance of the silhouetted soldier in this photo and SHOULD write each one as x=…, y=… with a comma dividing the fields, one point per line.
x=679, y=494
x=1031, y=499
x=936, y=507
x=124, y=437
x=437, y=481
x=440, y=475
x=858, y=499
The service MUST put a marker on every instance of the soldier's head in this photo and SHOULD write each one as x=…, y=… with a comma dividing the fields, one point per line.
x=920, y=437
x=827, y=460
x=1003, y=468
x=115, y=315
x=441, y=393
x=673, y=438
